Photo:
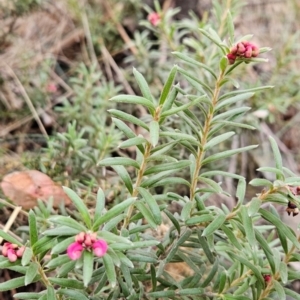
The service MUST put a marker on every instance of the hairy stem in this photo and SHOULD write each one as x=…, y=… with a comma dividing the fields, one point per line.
x=204, y=139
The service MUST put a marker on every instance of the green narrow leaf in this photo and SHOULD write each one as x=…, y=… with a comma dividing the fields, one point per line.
x=211, y=274
x=173, y=220
x=146, y=213
x=67, y=283
x=9, y=238
x=283, y=272
x=230, y=113
x=88, y=260
x=113, y=223
x=31, y=273
x=198, y=84
x=100, y=203
x=254, y=206
x=186, y=211
x=67, y=221
x=51, y=293
x=26, y=257
x=82, y=209
x=29, y=296
x=162, y=294
x=58, y=261
x=113, y=212
x=142, y=85
x=248, y=226
x=232, y=100
x=194, y=62
x=232, y=238
x=167, y=86
x=218, y=139
x=292, y=294
x=132, y=99
x=223, y=63
x=230, y=27
x=168, y=167
x=152, y=204
x=241, y=191
x=214, y=225
x=12, y=284
x=154, y=133
x=279, y=289
x=277, y=156
x=213, y=37
x=33, y=232
x=199, y=219
x=72, y=294
x=135, y=141
x=118, y=161
x=127, y=117
x=184, y=237
x=221, y=173
x=226, y=154
x=205, y=247
x=280, y=226
x=261, y=182
x=223, y=280
x=122, y=172
x=62, y=246
x=247, y=263
x=212, y=184
x=169, y=102
x=267, y=250
x=110, y=270
x=183, y=107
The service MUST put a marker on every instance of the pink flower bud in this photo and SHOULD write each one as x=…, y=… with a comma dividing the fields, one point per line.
x=231, y=58
x=240, y=48
x=100, y=248
x=267, y=278
x=74, y=250
x=11, y=255
x=51, y=88
x=248, y=52
x=80, y=237
x=255, y=51
x=5, y=248
x=154, y=18
x=234, y=49
x=20, y=251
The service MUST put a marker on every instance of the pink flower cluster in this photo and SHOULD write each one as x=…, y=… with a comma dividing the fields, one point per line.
x=12, y=251
x=154, y=18
x=86, y=241
x=243, y=49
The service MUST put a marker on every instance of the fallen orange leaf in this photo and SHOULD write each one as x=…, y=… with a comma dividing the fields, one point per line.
x=26, y=187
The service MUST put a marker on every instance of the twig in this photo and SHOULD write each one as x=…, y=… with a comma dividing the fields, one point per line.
x=28, y=102
x=120, y=29
x=11, y=220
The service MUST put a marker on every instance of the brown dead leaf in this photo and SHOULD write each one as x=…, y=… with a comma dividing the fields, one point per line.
x=26, y=187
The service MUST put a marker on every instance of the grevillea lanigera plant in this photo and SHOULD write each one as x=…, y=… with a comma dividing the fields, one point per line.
x=120, y=252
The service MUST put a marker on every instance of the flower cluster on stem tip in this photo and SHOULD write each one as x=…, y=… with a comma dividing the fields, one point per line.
x=243, y=49
x=89, y=242
x=154, y=18
x=12, y=251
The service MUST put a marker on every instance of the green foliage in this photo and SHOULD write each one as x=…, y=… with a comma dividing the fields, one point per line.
x=229, y=252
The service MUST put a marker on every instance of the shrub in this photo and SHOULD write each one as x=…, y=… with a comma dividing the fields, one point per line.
x=116, y=253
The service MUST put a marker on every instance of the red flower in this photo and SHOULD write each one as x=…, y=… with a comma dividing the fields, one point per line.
x=154, y=18
x=87, y=241
x=100, y=248
x=74, y=250
x=243, y=49
x=12, y=251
